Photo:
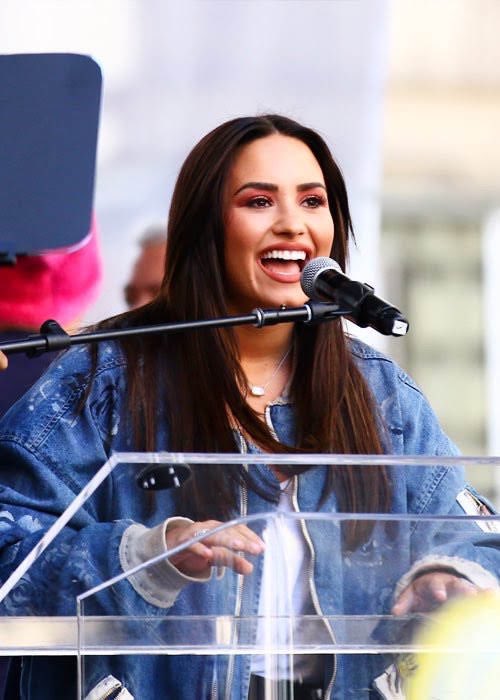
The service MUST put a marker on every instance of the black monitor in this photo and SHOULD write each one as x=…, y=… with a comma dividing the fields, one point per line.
x=49, y=115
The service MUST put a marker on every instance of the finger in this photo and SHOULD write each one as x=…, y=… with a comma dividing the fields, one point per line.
x=242, y=543
x=243, y=538
x=404, y=603
x=236, y=536
x=440, y=588
x=179, y=535
x=461, y=587
x=226, y=558
x=234, y=540
x=195, y=550
x=433, y=588
x=242, y=566
x=427, y=593
x=241, y=529
x=250, y=535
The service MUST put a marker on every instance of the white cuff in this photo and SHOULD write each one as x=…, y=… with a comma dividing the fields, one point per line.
x=465, y=568
x=161, y=583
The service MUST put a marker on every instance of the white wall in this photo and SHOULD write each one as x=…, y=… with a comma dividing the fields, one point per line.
x=491, y=248
x=173, y=70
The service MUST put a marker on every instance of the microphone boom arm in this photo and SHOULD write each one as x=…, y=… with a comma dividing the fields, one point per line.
x=54, y=337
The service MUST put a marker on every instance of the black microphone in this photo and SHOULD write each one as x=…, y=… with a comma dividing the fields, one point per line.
x=156, y=477
x=323, y=280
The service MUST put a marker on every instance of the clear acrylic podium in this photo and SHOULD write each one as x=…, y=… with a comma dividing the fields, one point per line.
x=240, y=623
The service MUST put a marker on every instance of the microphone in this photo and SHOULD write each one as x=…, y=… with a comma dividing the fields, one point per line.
x=323, y=280
x=156, y=477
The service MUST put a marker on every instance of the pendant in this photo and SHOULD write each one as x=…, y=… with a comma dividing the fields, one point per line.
x=256, y=390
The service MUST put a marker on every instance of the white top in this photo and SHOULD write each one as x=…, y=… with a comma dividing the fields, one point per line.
x=284, y=592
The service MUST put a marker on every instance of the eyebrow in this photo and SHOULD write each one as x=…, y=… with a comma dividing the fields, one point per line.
x=269, y=187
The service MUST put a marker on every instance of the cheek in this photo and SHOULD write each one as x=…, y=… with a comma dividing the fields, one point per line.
x=241, y=237
x=331, y=231
x=236, y=248
x=326, y=237
x=236, y=252
x=231, y=238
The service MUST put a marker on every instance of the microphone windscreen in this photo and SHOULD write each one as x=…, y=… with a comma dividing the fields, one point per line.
x=311, y=271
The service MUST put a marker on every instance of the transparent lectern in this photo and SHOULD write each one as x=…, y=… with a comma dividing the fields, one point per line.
x=313, y=606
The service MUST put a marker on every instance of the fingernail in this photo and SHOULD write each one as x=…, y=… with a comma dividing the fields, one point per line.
x=256, y=548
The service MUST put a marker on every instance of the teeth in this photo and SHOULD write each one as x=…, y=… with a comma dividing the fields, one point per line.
x=284, y=255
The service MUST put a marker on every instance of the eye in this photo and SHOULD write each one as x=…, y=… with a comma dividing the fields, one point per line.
x=313, y=201
x=259, y=202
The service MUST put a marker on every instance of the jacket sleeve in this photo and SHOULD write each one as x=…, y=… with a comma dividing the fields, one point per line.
x=445, y=534
x=160, y=583
x=466, y=541
x=50, y=447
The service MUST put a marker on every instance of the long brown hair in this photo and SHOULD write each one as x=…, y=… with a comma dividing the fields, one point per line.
x=195, y=377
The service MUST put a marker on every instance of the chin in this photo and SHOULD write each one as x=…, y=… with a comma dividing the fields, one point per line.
x=291, y=301
x=295, y=298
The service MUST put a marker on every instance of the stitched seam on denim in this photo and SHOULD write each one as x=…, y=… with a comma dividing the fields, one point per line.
x=365, y=352
x=425, y=498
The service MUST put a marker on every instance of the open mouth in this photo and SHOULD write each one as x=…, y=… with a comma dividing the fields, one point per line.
x=289, y=262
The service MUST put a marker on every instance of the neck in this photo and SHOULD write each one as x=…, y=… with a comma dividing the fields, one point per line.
x=263, y=344
x=265, y=359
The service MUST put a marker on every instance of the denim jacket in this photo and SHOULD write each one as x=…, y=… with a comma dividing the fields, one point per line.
x=51, y=446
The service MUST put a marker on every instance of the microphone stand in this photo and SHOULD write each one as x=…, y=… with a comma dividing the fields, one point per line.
x=164, y=476
x=53, y=337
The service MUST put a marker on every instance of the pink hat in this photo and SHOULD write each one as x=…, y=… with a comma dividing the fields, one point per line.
x=58, y=285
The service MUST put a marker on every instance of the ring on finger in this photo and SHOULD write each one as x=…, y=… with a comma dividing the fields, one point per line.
x=204, y=531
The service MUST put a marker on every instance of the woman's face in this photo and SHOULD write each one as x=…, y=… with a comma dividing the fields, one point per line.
x=276, y=219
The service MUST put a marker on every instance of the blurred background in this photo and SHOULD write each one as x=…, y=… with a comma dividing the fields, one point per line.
x=408, y=96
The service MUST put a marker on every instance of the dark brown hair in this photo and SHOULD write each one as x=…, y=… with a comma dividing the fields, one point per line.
x=195, y=377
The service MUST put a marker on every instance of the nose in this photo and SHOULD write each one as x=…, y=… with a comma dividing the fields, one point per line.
x=289, y=222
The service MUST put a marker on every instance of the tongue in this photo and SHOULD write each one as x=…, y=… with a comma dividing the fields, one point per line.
x=289, y=267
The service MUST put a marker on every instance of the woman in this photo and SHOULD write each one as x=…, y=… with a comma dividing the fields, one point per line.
x=254, y=201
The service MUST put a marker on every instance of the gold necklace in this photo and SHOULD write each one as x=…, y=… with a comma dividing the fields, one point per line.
x=260, y=389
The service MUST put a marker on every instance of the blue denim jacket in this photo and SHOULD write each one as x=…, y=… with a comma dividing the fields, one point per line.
x=49, y=450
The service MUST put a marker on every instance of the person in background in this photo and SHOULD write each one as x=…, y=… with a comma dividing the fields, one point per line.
x=149, y=267
x=58, y=285
x=255, y=200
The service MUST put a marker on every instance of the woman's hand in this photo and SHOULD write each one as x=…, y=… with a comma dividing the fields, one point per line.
x=3, y=361
x=224, y=548
x=429, y=591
